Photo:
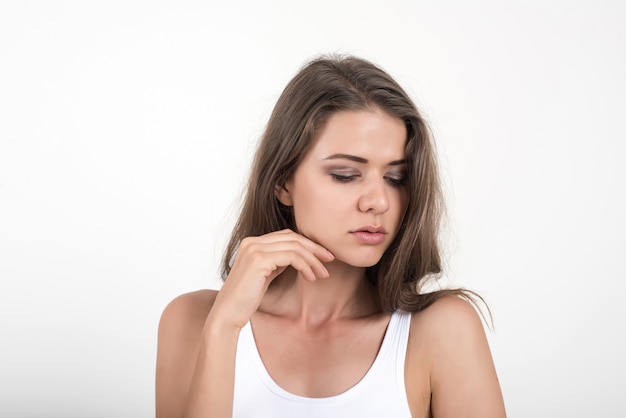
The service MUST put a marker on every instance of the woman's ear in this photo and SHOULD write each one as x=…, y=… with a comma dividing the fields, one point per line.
x=283, y=195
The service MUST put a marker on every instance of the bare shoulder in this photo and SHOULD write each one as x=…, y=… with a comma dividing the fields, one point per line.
x=180, y=332
x=448, y=318
x=188, y=308
x=182, y=322
x=448, y=349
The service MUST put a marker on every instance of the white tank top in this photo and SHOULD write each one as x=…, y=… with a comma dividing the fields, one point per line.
x=380, y=393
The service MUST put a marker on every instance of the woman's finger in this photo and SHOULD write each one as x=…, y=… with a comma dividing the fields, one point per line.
x=298, y=249
x=289, y=235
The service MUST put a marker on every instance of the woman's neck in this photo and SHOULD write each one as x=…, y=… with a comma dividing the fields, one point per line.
x=346, y=294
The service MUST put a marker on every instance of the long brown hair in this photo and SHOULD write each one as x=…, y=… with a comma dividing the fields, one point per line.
x=323, y=87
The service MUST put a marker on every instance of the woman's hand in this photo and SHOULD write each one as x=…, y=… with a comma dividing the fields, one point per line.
x=260, y=260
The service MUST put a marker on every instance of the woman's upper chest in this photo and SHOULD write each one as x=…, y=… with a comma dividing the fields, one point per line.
x=328, y=361
x=318, y=361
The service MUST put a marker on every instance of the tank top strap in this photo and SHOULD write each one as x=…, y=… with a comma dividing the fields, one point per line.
x=398, y=336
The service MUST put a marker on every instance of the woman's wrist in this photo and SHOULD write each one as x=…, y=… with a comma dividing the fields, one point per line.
x=220, y=328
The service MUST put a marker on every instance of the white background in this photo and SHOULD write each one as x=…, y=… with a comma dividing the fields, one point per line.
x=126, y=132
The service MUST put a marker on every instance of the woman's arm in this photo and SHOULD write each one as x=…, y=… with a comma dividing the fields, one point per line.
x=211, y=390
x=179, y=342
x=462, y=376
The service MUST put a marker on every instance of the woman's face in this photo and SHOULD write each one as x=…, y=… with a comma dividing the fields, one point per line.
x=349, y=193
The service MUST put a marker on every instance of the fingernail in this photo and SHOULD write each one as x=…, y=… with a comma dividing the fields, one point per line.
x=330, y=254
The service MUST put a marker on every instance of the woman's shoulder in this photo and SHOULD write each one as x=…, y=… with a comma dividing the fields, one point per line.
x=183, y=319
x=180, y=331
x=449, y=325
x=189, y=309
x=447, y=315
x=449, y=353
x=179, y=337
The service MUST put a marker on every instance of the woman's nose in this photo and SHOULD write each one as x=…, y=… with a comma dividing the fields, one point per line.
x=374, y=197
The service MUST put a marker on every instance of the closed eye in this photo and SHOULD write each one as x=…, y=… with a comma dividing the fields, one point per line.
x=396, y=181
x=343, y=178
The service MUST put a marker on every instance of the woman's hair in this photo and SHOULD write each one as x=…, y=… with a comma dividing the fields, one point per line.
x=323, y=87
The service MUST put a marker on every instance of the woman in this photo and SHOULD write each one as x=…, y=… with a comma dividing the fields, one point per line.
x=321, y=314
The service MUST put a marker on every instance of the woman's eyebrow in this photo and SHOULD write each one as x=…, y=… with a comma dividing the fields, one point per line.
x=360, y=159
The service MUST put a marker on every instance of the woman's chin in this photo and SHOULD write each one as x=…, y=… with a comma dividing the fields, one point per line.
x=358, y=260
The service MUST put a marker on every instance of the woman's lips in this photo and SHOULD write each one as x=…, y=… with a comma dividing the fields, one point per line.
x=367, y=237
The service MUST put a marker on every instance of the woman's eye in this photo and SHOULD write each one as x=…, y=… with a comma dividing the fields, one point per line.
x=397, y=181
x=343, y=178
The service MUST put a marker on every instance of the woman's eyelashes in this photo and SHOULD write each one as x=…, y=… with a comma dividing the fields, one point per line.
x=394, y=179
x=343, y=177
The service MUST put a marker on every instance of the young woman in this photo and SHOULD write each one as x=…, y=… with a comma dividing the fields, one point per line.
x=321, y=313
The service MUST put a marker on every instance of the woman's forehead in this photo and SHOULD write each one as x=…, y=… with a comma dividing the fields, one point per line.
x=368, y=134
